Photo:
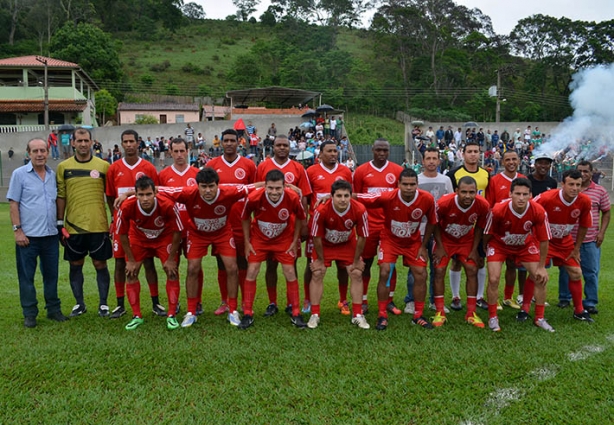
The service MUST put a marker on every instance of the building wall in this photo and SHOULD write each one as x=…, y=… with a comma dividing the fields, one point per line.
x=129, y=117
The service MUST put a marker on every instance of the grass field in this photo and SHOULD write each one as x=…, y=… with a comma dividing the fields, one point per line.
x=90, y=370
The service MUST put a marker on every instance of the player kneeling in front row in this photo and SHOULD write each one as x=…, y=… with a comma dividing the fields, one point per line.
x=272, y=235
x=334, y=228
x=518, y=229
x=462, y=217
x=149, y=226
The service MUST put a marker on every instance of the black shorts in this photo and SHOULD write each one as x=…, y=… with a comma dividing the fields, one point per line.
x=97, y=245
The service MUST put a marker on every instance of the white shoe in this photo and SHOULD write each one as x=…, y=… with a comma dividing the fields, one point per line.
x=410, y=308
x=360, y=321
x=314, y=321
x=541, y=323
x=188, y=320
x=520, y=299
x=433, y=308
x=493, y=324
x=234, y=318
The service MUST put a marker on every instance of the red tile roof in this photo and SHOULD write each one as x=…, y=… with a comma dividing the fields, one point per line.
x=37, y=105
x=30, y=61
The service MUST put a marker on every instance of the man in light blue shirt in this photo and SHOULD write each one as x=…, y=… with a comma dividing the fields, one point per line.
x=32, y=196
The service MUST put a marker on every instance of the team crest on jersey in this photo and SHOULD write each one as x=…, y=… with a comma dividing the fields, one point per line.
x=283, y=214
x=473, y=218
x=416, y=214
x=94, y=174
x=139, y=175
x=390, y=178
x=289, y=178
x=527, y=226
x=240, y=173
x=219, y=210
x=191, y=181
x=349, y=224
x=533, y=250
x=159, y=221
x=575, y=213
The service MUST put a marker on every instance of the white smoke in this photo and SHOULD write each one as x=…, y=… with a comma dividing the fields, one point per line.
x=589, y=132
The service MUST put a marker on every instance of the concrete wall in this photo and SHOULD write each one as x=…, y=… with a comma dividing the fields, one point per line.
x=129, y=117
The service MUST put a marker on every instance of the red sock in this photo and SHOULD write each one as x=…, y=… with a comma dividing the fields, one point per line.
x=471, y=306
x=439, y=304
x=232, y=304
x=242, y=276
x=272, y=291
x=315, y=309
x=539, y=311
x=293, y=296
x=343, y=292
x=419, y=306
x=492, y=310
x=306, y=291
x=192, y=303
x=356, y=309
x=508, y=292
x=393, y=286
x=172, y=292
x=575, y=287
x=134, y=298
x=365, y=288
x=382, y=305
x=222, y=281
x=201, y=279
x=249, y=293
x=153, y=289
x=527, y=296
x=120, y=289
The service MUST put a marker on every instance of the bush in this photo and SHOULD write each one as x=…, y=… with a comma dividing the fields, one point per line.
x=147, y=79
x=146, y=119
x=160, y=67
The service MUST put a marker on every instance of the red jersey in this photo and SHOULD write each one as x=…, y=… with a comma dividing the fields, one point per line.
x=121, y=176
x=563, y=215
x=515, y=230
x=241, y=171
x=370, y=179
x=172, y=178
x=457, y=224
x=209, y=217
x=337, y=228
x=294, y=173
x=321, y=179
x=498, y=188
x=402, y=219
x=273, y=223
x=143, y=228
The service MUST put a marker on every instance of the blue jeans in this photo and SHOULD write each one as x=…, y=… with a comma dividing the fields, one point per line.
x=54, y=152
x=590, y=256
x=410, y=279
x=47, y=249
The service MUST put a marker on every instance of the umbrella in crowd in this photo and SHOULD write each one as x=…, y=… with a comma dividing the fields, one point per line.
x=471, y=124
x=418, y=123
x=324, y=108
x=239, y=124
x=305, y=125
x=66, y=127
x=310, y=113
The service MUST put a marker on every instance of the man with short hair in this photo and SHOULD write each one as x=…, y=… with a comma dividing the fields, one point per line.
x=52, y=144
x=154, y=227
x=81, y=183
x=274, y=233
x=189, y=136
x=335, y=226
x=121, y=179
x=518, y=229
x=590, y=250
x=32, y=195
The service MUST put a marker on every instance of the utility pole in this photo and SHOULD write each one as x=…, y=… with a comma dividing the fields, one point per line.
x=43, y=60
x=498, y=113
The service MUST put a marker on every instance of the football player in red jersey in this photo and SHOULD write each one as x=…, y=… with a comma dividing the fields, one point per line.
x=334, y=228
x=154, y=228
x=321, y=177
x=566, y=207
x=232, y=169
x=376, y=176
x=121, y=178
x=518, y=229
x=273, y=234
x=405, y=207
x=462, y=217
x=181, y=174
x=294, y=174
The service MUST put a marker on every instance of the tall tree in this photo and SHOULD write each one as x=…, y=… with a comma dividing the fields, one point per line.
x=193, y=11
x=245, y=8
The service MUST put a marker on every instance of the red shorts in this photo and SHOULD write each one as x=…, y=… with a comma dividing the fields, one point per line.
x=160, y=249
x=390, y=251
x=371, y=245
x=343, y=254
x=558, y=255
x=222, y=244
x=263, y=254
x=461, y=252
x=525, y=254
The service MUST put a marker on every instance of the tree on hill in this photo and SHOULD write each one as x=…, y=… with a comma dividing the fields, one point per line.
x=245, y=8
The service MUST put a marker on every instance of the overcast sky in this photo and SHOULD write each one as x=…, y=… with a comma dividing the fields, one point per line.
x=504, y=14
